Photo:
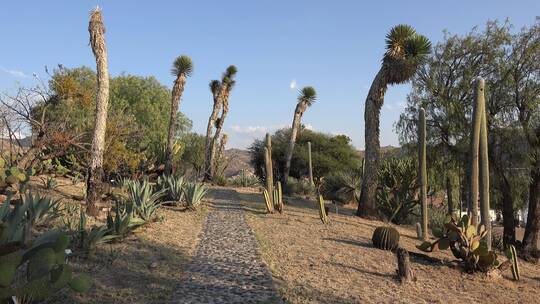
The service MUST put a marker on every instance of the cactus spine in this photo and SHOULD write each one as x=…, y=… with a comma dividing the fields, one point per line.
x=484, y=168
x=310, y=165
x=422, y=174
x=475, y=143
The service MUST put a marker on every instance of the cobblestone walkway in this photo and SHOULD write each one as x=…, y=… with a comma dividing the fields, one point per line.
x=227, y=267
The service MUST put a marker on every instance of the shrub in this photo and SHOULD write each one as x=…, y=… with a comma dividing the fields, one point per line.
x=298, y=187
x=343, y=186
x=396, y=195
x=244, y=180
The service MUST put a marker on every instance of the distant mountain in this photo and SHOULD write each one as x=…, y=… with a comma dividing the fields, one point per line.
x=238, y=160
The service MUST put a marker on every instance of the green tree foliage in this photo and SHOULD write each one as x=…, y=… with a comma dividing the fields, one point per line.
x=444, y=87
x=330, y=154
x=137, y=128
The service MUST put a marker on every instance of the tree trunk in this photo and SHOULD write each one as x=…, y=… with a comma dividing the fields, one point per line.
x=209, y=138
x=299, y=111
x=367, y=207
x=219, y=127
x=530, y=239
x=422, y=171
x=310, y=169
x=449, y=196
x=178, y=89
x=96, y=29
x=509, y=225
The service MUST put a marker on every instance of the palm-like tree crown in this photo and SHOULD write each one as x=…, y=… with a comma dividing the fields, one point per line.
x=215, y=85
x=182, y=66
x=405, y=51
x=307, y=95
x=228, y=76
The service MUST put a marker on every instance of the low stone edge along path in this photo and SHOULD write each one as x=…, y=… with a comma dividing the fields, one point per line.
x=227, y=267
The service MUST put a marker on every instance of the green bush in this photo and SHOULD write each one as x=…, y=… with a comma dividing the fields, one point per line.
x=298, y=187
x=329, y=154
x=344, y=186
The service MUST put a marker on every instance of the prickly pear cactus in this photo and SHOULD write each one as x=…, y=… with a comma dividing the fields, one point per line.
x=385, y=238
x=13, y=179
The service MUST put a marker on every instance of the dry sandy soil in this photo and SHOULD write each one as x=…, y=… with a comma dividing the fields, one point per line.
x=144, y=268
x=336, y=263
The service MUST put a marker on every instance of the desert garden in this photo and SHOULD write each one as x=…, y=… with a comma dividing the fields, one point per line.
x=112, y=198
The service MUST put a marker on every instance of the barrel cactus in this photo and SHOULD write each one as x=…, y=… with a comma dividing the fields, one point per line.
x=385, y=238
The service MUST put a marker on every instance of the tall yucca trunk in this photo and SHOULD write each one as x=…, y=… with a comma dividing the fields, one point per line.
x=298, y=112
x=209, y=138
x=178, y=89
x=367, y=207
x=422, y=171
x=219, y=127
x=96, y=28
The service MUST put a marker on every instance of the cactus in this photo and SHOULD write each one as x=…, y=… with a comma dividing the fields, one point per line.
x=512, y=256
x=268, y=202
x=13, y=180
x=422, y=174
x=269, y=194
x=467, y=243
x=278, y=198
x=484, y=168
x=418, y=231
x=310, y=164
x=479, y=103
x=385, y=238
x=322, y=210
x=41, y=261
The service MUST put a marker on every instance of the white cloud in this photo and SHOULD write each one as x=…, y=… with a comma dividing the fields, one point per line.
x=398, y=106
x=14, y=73
x=292, y=85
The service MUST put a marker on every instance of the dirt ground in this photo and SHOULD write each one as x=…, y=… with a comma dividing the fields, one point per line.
x=336, y=263
x=144, y=268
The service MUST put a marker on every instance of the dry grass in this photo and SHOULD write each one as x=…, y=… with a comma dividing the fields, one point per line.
x=336, y=263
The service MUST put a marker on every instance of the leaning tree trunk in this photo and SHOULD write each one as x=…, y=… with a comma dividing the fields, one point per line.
x=509, y=224
x=95, y=170
x=219, y=127
x=367, y=206
x=532, y=229
x=298, y=112
x=178, y=89
x=209, y=138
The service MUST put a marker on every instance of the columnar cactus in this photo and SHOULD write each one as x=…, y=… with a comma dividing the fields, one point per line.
x=512, y=256
x=484, y=167
x=268, y=192
x=478, y=109
x=322, y=210
x=278, y=198
x=310, y=165
x=422, y=174
x=269, y=168
x=386, y=238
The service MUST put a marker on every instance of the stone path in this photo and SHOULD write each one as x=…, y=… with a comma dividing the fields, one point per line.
x=227, y=267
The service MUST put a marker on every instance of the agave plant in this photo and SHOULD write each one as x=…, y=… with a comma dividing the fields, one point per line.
x=194, y=192
x=145, y=200
x=173, y=188
x=89, y=239
x=396, y=195
x=405, y=52
x=343, y=187
x=123, y=221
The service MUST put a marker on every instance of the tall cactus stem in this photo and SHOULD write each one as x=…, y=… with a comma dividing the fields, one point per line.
x=422, y=174
x=484, y=176
x=310, y=165
x=478, y=109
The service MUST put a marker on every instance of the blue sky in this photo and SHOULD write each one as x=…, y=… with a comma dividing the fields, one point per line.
x=335, y=46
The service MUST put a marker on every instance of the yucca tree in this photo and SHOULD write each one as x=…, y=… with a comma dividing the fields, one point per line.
x=96, y=28
x=215, y=88
x=405, y=52
x=227, y=83
x=306, y=98
x=182, y=68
